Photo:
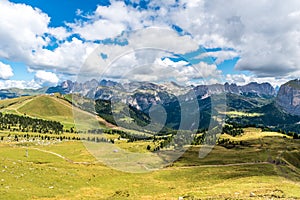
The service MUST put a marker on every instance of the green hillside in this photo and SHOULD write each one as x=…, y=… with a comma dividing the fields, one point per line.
x=45, y=107
x=50, y=108
x=9, y=102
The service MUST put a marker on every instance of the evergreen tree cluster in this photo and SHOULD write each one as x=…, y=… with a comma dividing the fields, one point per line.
x=34, y=137
x=13, y=122
x=232, y=130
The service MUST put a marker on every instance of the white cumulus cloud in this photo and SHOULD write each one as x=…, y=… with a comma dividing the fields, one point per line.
x=4, y=84
x=5, y=71
x=242, y=79
x=220, y=56
x=45, y=78
x=21, y=30
x=267, y=43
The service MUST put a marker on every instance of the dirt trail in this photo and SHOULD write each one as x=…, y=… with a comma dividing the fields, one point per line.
x=62, y=157
x=18, y=105
x=219, y=165
x=168, y=168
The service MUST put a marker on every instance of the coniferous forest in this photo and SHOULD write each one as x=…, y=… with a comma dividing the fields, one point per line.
x=12, y=122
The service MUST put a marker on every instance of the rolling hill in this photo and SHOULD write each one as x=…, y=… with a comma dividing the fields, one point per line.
x=54, y=108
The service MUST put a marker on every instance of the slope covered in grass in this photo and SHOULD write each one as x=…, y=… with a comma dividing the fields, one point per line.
x=226, y=173
x=50, y=108
x=45, y=106
x=4, y=103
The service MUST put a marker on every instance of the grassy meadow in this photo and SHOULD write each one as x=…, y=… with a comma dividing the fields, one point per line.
x=265, y=165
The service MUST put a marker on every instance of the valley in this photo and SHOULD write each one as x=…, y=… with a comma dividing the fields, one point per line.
x=248, y=157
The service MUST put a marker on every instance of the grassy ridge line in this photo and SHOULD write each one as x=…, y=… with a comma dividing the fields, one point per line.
x=45, y=107
x=42, y=107
x=49, y=108
x=11, y=105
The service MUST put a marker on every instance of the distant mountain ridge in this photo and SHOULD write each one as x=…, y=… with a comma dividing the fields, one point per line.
x=142, y=95
x=253, y=88
x=16, y=92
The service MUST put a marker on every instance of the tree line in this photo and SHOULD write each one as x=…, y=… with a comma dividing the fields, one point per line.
x=12, y=122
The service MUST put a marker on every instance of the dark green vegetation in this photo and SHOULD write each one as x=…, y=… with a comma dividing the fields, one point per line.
x=104, y=110
x=12, y=123
x=268, y=116
x=140, y=118
x=243, y=103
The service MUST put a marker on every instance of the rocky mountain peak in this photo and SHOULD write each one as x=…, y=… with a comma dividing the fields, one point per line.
x=252, y=89
x=288, y=97
x=107, y=83
x=67, y=84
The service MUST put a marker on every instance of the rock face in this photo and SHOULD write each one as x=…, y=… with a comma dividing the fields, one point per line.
x=288, y=97
x=142, y=95
x=252, y=89
x=158, y=92
x=261, y=89
x=68, y=86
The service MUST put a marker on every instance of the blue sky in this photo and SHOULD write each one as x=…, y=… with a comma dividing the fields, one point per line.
x=62, y=11
x=20, y=70
x=45, y=42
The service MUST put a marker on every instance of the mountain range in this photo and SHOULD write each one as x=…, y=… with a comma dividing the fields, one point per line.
x=256, y=104
x=253, y=88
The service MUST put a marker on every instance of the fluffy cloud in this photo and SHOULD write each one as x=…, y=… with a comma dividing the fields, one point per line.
x=98, y=30
x=5, y=71
x=242, y=79
x=162, y=70
x=162, y=38
x=19, y=84
x=205, y=70
x=44, y=78
x=108, y=22
x=220, y=56
x=67, y=58
x=126, y=15
x=41, y=79
x=59, y=33
x=144, y=49
x=267, y=43
x=24, y=34
x=168, y=62
x=21, y=30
